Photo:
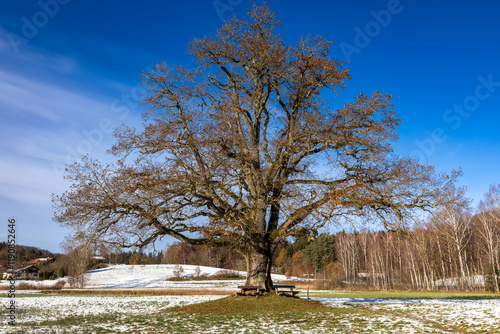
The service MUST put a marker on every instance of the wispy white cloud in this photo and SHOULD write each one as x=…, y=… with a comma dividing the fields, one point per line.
x=27, y=181
x=43, y=125
x=4, y=45
x=36, y=57
x=50, y=103
x=55, y=62
x=22, y=95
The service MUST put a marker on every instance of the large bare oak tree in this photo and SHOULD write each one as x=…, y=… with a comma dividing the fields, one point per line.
x=245, y=150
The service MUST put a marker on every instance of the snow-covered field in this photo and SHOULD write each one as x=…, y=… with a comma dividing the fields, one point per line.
x=43, y=309
x=145, y=276
x=475, y=314
x=149, y=314
x=47, y=308
x=153, y=276
x=157, y=275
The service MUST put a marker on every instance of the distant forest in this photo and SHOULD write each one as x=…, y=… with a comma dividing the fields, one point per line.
x=25, y=253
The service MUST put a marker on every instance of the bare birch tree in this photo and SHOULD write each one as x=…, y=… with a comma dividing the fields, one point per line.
x=488, y=227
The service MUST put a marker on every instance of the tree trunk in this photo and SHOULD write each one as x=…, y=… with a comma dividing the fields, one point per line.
x=259, y=270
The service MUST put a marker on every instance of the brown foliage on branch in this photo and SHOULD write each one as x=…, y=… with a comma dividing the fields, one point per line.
x=230, y=150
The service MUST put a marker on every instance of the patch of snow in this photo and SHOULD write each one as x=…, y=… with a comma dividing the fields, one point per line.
x=46, y=308
x=476, y=280
x=42, y=283
x=478, y=314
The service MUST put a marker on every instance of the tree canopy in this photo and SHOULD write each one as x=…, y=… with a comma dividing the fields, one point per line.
x=245, y=150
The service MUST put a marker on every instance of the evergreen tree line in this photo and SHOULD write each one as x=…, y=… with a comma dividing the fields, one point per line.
x=177, y=253
x=133, y=257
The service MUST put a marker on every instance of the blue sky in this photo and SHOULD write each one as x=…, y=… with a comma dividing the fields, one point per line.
x=69, y=71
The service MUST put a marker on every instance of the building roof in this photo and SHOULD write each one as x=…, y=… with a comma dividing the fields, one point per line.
x=23, y=268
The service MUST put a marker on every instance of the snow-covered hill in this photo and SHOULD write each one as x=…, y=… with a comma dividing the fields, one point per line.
x=156, y=276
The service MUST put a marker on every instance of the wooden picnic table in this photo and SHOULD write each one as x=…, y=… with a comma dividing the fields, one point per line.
x=246, y=290
x=286, y=290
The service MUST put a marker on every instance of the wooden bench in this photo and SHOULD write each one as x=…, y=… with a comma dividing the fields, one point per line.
x=251, y=290
x=287, y=290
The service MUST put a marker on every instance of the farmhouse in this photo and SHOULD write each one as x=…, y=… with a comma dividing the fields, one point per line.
x=97, y=261
x=25, y=272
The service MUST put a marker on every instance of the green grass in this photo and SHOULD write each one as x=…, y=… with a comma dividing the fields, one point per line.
x=404, y=295
x=250, y=305
x=257, y=315
x=4, y=295
x=138, y=292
